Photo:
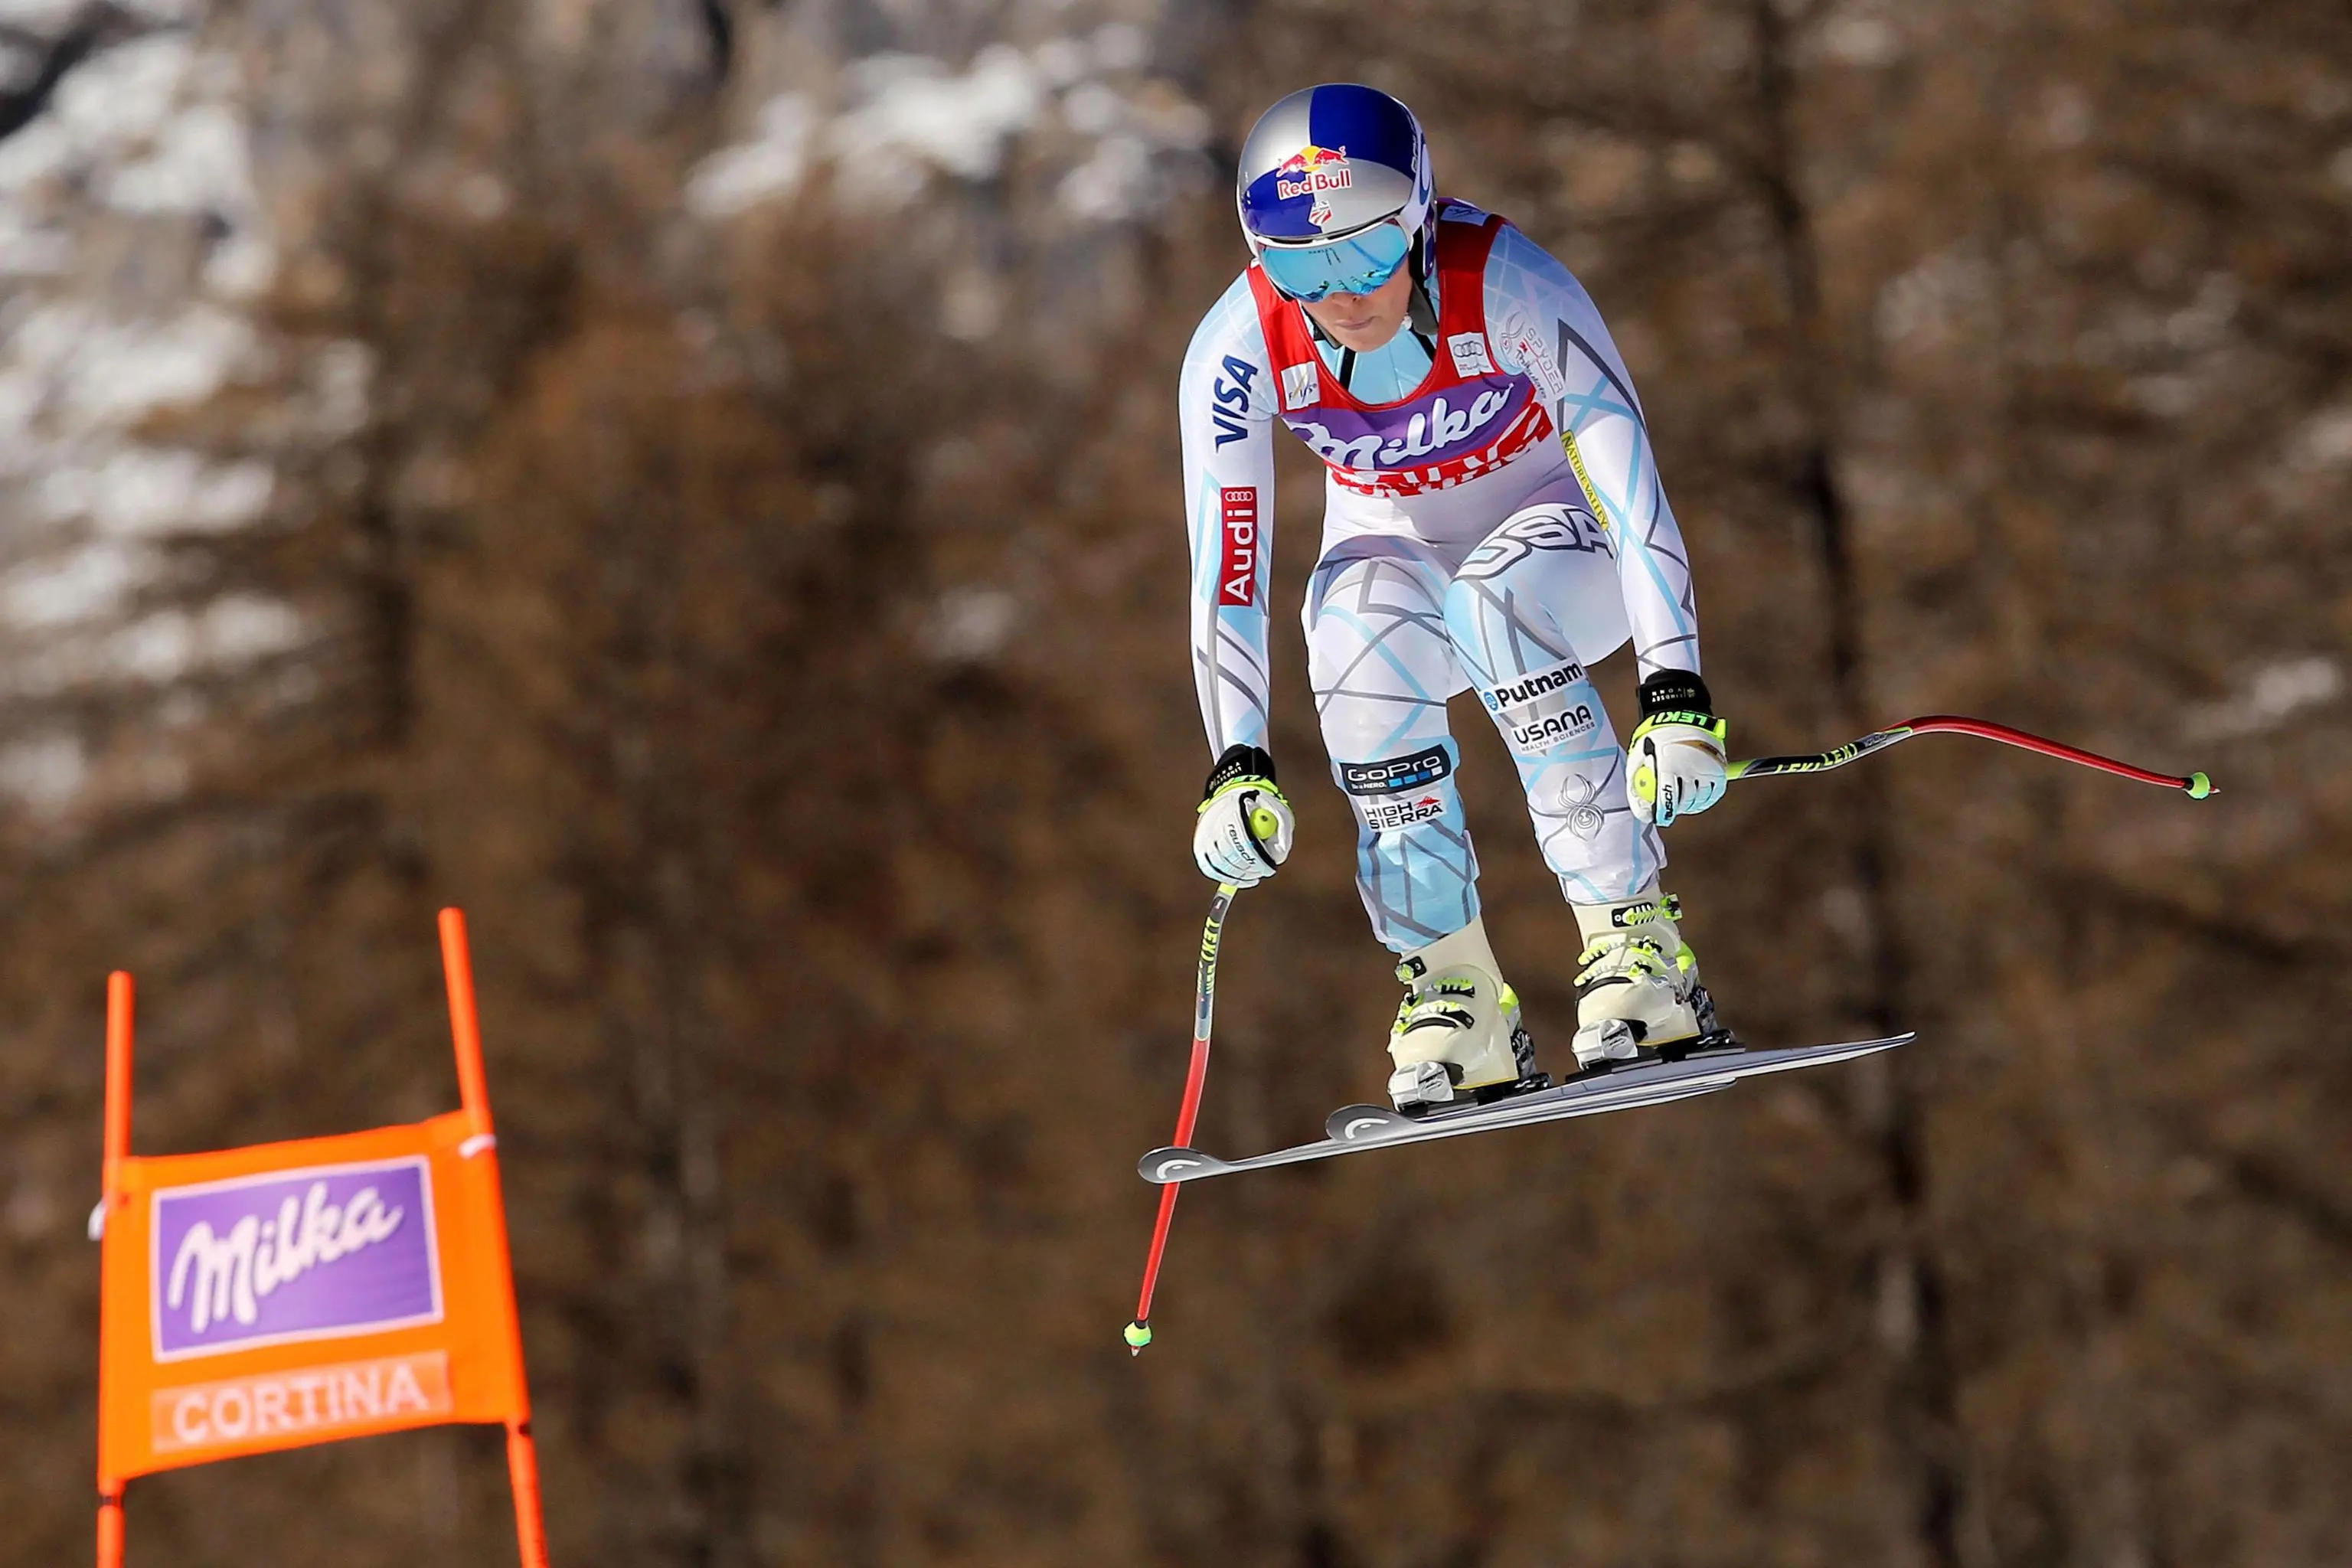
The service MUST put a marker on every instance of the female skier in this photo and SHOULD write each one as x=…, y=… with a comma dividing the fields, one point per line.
x=1493, y=521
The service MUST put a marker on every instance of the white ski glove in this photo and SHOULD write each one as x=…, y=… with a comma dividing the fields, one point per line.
x=1674, y=763
x=1245, y=826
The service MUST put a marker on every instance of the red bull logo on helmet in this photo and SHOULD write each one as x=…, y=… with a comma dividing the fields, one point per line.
x=1314, y=171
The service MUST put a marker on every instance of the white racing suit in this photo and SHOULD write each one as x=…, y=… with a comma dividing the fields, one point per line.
x=1495, y=524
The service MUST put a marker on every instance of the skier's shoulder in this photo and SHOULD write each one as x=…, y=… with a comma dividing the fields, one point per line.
x=1521, y=271
x=1228, y=353
x=1231, y=326
x=1534, y=305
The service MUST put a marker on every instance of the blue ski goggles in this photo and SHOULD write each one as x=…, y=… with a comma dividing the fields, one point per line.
x=1357, y=264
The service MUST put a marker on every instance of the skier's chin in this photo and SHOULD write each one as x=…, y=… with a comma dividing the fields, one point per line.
x=1367, y=336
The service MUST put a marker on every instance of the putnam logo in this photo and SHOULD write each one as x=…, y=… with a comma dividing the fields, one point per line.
x=1237, y=577
x=313, y=1405
x=301, y=1255
x=1543, y=683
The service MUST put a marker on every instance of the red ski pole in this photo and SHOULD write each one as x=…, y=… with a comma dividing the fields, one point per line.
x=2196, y=786
x=1204, y=1001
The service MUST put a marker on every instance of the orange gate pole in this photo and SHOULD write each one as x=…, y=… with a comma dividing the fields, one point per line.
x=474, y=1091
x=120, y=997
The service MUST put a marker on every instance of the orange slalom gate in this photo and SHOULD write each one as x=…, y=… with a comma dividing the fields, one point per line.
x=285, y=1294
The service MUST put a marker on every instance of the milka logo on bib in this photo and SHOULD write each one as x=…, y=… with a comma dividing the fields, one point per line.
x=1426, y=435
x=318, y=1254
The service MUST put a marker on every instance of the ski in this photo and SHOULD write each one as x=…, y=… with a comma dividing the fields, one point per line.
x=1354, y=1128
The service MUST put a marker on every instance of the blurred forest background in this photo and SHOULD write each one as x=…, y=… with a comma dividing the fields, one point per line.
x=694, y=482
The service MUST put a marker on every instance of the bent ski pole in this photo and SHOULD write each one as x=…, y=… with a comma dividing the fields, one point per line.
x=1204, y=1001
x=2196, y=786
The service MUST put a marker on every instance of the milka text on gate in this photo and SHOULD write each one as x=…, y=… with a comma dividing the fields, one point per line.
x=232, y=1273
x=330, y=1250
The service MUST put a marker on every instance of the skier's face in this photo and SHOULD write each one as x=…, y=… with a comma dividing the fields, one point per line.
x=1365, y=321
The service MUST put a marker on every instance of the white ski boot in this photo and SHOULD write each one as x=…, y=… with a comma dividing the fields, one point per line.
x=1638, y=996
x=1457, y=1034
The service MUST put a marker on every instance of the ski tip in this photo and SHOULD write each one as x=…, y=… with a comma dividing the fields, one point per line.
x=2199, y=786
x=1164, y=1167
x=1139, y=1334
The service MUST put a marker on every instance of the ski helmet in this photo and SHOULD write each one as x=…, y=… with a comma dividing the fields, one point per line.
x=1334, y=189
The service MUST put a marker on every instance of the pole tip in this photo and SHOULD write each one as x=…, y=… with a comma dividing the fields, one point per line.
x=2199, y=786
x=1139, y=1334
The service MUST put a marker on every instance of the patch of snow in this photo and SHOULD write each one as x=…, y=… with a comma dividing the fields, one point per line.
x=47, y=594
x=1932, y=297
x=142, y=491
x=20, y=401
x=114, y=372
x=970, y=623
x=232, y=631
x=2325, y=440
x=483, y=196
x=2067, y=116
x=43, y=774
x=340, y=374
x=2167, y=396
x=126, y=94
x=910, y=115
x=150, y=129
x=971, y=305
x=2201, y=323
x=198, y=165
x=1091, y=109
x=1061, y=61
x=38, y=15
x=916, y=113
x=1862, y=40
x=42, y=150
x=1122, y=47
x=2272, y=695
x=769, y=166
x=29, y=252
x=242, y=266
x=1112, y=184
